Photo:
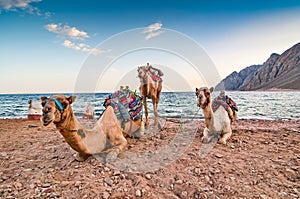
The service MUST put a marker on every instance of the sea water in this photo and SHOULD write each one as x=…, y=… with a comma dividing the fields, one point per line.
x=272, y=105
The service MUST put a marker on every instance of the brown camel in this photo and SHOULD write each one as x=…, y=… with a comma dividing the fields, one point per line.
x=149, y=89
x=86, y=142
x=217, y=121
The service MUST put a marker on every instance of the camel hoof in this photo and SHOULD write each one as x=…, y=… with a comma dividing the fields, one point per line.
x=205, y=140
x=81, y=157
x=111, y=156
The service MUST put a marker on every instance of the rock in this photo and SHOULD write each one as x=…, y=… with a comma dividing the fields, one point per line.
x=138, y=193
x=218, y=155
x=64, y=183
x=262, y=196
x=179, y=182
x=184, y=194
x=148, y=176
x=77, y=184
x=105, y=195
x=108, y=181
x=17, y=185
x=197, y=170
x=46, y=185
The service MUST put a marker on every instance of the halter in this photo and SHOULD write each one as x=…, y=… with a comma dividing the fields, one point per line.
x=58, y=105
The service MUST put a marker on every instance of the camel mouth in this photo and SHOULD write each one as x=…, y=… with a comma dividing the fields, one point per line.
x=46, y=122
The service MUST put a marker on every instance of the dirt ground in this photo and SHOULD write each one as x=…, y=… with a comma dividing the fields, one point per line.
x=261, y=160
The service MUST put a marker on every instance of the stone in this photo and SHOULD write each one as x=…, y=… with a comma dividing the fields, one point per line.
x=105, y=195
x=138, y=193
x=148, y=176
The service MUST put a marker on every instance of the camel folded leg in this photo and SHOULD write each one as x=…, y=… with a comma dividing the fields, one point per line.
x=226, y=134
x=206, y=136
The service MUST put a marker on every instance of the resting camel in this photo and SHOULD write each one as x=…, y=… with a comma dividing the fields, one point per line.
x=149, y=89
x=217, y=121
x=106, y=132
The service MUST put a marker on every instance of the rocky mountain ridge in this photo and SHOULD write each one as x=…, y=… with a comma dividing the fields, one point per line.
x=278, y=72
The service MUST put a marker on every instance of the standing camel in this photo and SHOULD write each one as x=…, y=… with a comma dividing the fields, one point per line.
x=150, y=87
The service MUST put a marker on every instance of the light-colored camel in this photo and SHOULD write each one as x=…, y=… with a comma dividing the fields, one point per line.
x=149, y=89
x=217, y=121
x=107, y=135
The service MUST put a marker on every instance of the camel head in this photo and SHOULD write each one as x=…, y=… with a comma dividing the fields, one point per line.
x=56, y=108
x=203, y=95
x=142, y=72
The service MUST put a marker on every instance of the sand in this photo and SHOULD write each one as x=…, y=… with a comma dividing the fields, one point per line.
x=261, y=160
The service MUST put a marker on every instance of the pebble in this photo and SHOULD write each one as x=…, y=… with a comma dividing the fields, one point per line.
x=218, y=155
x=179, y=182
x=105, y=195
x=17, y=185
x=197, y=170
x=46, y=185
x=148, y=176
x=64, y=183
x=138, y=193
x=184, y=194
x=108, y=181
x=77, y=183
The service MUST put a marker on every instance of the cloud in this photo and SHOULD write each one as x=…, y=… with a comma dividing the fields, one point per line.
x=153, y=30
x=83, y=47
x=14, y=5
x=66, y=30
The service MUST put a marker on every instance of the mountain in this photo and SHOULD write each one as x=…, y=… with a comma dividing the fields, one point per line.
x=278, y=72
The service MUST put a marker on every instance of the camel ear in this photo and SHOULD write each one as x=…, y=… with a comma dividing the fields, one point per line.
x=196, y=91
x=71, y=99
x=44, y=98
x=211, y=89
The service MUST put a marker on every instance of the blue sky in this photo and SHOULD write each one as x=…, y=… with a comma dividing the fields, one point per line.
x=45, y=43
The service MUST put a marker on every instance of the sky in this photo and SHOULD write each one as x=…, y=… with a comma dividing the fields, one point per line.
x=96, y=46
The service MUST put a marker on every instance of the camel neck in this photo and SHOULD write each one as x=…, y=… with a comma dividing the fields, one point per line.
x=69, y=130
x=68, y=123
x=208, y=116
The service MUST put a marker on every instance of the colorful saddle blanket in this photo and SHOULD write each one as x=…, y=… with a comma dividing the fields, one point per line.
x=126, y=104
x=226, y=103
x=155, y=74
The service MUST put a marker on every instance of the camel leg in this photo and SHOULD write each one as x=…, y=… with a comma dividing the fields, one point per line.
x=226, y=134
x=146, y=110
x=80, y=157
x=117, y=139
x=154, y=103
x=206, y=137
x=114, y=133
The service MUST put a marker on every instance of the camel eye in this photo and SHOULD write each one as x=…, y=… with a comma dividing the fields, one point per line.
x=44, y=103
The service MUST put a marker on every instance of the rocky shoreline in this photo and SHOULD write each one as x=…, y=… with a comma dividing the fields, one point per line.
x=261, y=160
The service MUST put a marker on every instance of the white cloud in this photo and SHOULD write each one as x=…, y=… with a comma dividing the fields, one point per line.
x=66, y=30
x=83, y=47
x=153, y=30
x=14, y=5
x=153, y=27
x=153, y=34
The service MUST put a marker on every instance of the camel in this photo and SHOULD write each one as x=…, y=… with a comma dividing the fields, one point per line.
x=149, y=89
x=106, y=136
x=217, y=121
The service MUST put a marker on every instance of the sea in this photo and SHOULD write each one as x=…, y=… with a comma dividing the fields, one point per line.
x=269, y=105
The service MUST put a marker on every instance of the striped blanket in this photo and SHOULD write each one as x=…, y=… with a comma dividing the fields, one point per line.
x=126, y=104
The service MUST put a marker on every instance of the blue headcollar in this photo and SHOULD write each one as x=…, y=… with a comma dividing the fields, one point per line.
x=57, y=103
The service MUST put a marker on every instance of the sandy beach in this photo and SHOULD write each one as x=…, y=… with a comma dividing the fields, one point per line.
x=261, y=160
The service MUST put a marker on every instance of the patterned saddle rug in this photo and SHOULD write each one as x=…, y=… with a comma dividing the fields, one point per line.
x=126, y=104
